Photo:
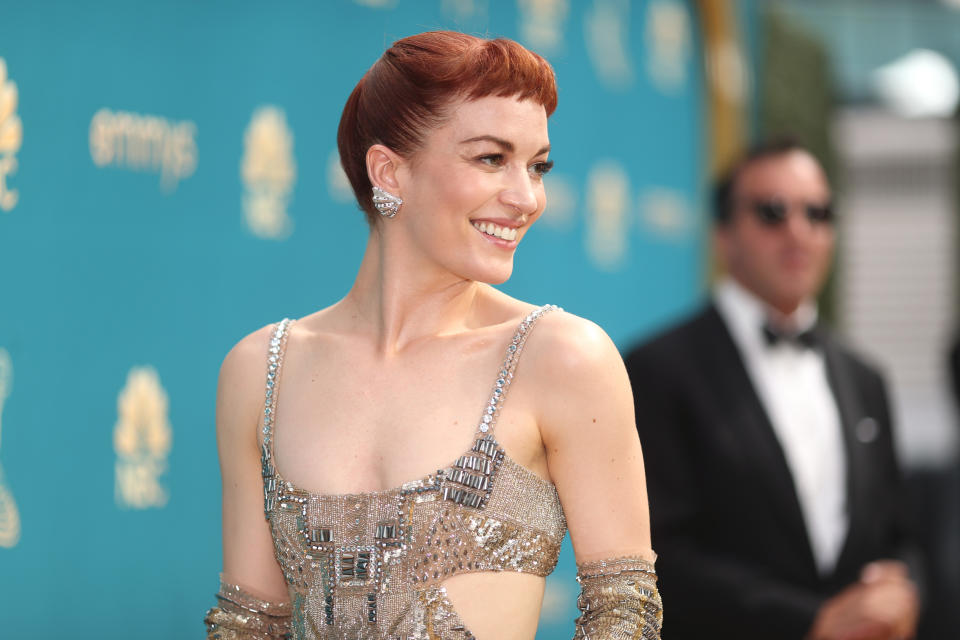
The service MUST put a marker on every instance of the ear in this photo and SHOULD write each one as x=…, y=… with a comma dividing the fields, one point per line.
x=720, y=240
x=382, y=166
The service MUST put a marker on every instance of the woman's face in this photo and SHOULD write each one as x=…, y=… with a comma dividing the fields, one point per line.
x=475, y=187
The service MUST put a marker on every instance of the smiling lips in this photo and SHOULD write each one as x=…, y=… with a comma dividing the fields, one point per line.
x=504, y=233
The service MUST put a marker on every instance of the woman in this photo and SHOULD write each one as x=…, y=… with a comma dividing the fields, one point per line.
x=367, y=533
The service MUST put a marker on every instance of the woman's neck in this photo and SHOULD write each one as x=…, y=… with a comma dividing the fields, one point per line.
x=402, y=298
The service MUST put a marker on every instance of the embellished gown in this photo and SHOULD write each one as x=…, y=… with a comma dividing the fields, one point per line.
x=371, y=565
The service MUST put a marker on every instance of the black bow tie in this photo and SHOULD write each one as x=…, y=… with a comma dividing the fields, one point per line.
x=804, y=340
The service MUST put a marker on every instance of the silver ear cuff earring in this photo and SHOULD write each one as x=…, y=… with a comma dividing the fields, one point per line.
x=386, y=203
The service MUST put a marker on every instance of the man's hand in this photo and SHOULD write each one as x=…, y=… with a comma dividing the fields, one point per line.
x=881, y=606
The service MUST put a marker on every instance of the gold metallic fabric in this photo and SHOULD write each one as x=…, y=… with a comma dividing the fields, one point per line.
x=242, y=616
x=372, y=565
x=618, y=600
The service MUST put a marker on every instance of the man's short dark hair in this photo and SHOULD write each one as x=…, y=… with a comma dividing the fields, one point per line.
x=723, y=189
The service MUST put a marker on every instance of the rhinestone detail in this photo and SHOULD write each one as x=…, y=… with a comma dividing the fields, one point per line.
x=378, y=560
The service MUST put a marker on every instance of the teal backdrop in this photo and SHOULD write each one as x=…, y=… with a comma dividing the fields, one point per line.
x=168, y=184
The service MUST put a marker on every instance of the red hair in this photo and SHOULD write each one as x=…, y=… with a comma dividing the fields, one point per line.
x=407, y=91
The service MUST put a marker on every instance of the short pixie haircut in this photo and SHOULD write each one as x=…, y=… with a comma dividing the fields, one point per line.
x=408, y=91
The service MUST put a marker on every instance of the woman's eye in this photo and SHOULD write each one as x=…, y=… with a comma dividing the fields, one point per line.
x=493, y=159
x=541, y=168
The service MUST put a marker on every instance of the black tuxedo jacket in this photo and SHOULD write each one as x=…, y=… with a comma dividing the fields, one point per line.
x=734, y=557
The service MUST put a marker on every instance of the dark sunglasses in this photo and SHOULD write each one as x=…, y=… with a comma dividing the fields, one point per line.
x=773, y=213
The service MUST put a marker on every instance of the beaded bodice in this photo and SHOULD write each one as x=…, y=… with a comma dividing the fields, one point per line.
x=371, y=565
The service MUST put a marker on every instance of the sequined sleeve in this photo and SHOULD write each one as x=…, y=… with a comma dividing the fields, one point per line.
x=618, y=600
x=241, y=616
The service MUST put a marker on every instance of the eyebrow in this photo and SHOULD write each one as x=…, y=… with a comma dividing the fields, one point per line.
x=505, y=144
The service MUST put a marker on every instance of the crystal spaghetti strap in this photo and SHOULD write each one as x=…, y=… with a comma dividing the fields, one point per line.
x=469, y=482
x=505, y=376
x=372, y=564
x=278, y=344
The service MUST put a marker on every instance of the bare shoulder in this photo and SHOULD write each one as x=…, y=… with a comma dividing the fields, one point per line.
x=565, y=345
x=576, y=377
x=253, y=345
x=240, y=385
x=247, y=358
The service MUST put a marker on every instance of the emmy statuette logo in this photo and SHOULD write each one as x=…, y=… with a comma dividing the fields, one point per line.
x=669, y=44
x=541, y=24
x=9, y=516
x=607, y=35
x=11, y=137
x=142, y=440
x=608, y=198
x=269, y=172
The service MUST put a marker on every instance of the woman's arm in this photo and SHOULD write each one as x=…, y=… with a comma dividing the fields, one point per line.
x=253, y=594
x=593, y=454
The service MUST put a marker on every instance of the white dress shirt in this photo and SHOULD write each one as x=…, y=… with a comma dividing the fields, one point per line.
x=791, y=382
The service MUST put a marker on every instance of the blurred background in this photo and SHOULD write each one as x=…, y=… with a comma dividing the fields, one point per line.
x=167, y=167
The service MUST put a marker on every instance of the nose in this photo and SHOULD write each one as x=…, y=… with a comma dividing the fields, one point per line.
x=797, y=223
x=520, y=192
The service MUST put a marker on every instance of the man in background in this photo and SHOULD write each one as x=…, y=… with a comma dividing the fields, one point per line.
x=774, y=488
